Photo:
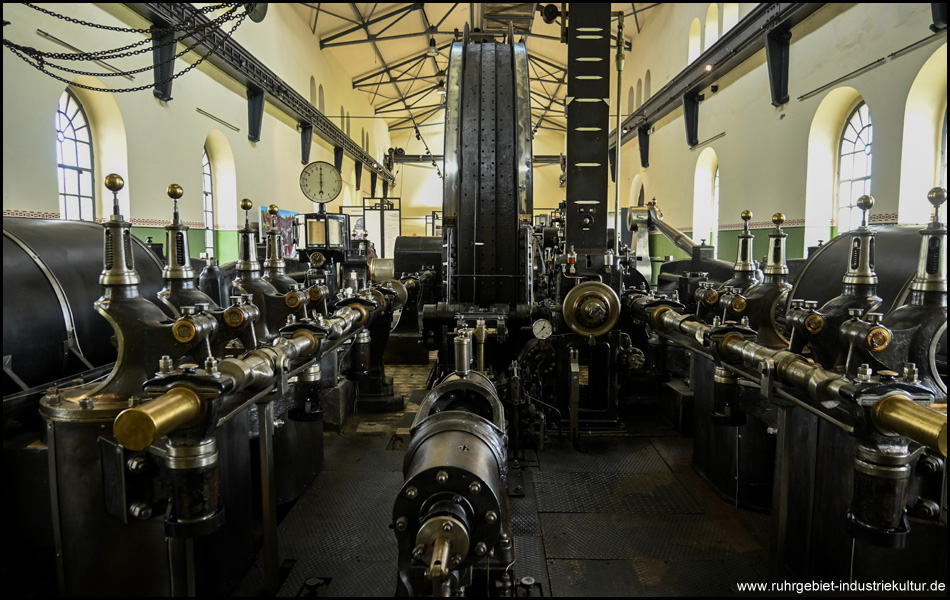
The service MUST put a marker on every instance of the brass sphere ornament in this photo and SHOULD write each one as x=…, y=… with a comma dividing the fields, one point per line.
x=246, y=204
x=865, y=202
x=778, y=218
x=174, y=191
x=272, y=209
x=937, y=196
x=114, y=182
x=746, y=215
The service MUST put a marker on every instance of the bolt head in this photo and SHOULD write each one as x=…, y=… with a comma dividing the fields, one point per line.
x=491, y=517
x=411, y=492
x=475, y=487
x=481, y=549
x=441, y=477
x=447, y=526
x=401, y=524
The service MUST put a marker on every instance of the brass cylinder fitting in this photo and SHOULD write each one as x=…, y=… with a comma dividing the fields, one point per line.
x=878, y=339
x=922, y=424
x=136, y=428
x=738, y=304
x=814, y=323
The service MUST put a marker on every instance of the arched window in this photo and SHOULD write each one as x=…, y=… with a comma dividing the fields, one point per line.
x=943, y=152
x=313, y=91
x=714, y=225
x=321, y=99
x=854, y=167
x=695, y=41
x=639, y=93
x=630, y=102
x=74, y=161
x=207, y=195
x=348, y=123
x=712, y=25
x=706, y=197
x=646, y=86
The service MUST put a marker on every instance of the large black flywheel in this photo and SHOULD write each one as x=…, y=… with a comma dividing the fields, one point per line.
x=487, y=190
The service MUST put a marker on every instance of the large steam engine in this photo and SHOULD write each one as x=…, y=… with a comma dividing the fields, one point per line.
x=176, y=456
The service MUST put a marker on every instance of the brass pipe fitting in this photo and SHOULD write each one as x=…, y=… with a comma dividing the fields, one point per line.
x=136, y=428
x=922, y=424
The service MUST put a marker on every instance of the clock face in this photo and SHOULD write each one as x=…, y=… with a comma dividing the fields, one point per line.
x=542, y=329
x=321, y=182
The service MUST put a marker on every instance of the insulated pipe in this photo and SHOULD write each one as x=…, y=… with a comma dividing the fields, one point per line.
x=895, y=413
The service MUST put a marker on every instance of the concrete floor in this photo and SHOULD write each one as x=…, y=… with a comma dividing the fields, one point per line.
x=629, y=516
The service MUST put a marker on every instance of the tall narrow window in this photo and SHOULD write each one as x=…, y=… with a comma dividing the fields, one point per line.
x=943, y=152
x=207, y=195
x=854, y=167
x=74, y=161
x=714, y=222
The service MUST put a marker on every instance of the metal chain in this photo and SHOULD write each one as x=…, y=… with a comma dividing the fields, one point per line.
x=40, y=65
x=187, y=49
x=205, y=10
x=118, y=52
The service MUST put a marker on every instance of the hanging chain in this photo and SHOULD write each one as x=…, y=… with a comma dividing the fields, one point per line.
x=118, y=52
x=40, y=65
x=205, y=10
x=40, y=60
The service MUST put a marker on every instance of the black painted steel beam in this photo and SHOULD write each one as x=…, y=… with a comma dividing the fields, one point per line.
x=234, y=60
x=734, y=47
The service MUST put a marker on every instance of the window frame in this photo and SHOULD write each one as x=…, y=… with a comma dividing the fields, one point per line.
x=852, y=143
x=81, y=205
x=207, y=202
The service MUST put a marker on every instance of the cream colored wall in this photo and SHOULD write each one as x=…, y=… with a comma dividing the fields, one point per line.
x=165, y=140
x=764, y=152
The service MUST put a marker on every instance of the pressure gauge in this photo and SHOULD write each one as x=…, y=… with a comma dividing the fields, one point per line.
x=542, y=329
x=321, y=182
x=317, y=259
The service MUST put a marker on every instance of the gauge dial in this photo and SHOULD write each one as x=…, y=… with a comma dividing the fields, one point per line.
x=542, y=329
x=321, y=182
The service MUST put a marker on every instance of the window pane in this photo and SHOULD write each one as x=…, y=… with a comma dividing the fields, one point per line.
x=72, y=208
x=85, y=183
x=81, y=133
x=86, y=211
x=72, y=182
x=84, y=156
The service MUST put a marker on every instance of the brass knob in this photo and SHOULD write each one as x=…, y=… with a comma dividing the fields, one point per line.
x=778, y=218
x=865, y=202
x=246, y=204
x=937, y=196
x=174, y=191
x=114, y=182
x=746, y=215
x=272, y=209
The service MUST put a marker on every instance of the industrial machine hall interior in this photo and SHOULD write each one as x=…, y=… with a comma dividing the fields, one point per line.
x=442, y=299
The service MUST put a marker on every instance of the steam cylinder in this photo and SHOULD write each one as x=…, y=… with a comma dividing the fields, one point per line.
x=51, y=281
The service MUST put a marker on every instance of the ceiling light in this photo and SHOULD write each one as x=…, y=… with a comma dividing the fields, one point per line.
x=709, y=68
x=432, y=51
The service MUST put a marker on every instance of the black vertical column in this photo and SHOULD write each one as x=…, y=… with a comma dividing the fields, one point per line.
x=588, y=114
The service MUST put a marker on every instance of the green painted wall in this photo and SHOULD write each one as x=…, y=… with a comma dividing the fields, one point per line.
x=729, y=243
x=226, y=246
x=225, y=242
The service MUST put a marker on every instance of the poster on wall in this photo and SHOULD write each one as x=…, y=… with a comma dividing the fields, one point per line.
x=283, y=221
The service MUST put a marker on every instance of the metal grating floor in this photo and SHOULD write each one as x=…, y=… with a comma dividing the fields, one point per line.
x=626, y=517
